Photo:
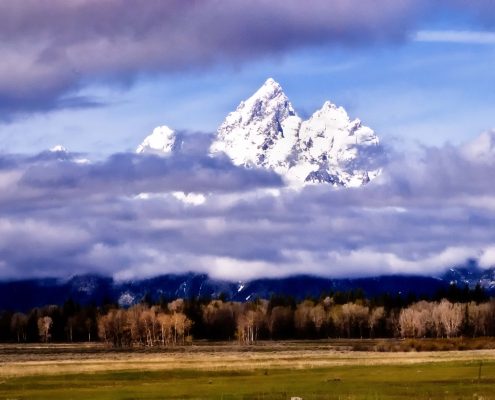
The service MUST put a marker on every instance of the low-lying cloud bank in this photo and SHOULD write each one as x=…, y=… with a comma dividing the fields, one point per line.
x=138, y=216
x=52, y=48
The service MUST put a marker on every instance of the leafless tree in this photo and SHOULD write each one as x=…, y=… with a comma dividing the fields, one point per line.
x=451, y=317
x=44, y=328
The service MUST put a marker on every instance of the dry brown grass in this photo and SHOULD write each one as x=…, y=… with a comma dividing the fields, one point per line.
x=61, y=359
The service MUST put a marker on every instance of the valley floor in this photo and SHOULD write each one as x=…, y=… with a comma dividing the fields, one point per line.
x=270, y=370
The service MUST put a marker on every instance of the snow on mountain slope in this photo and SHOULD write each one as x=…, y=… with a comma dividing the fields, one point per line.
x=161, y=141
x=262, y=131
x=58, y=149
x=62, y=154
x=265, y=131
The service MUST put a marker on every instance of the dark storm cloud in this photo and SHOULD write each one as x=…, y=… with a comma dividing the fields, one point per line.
x=135, y=216
x=55, y=176
x=52, y=48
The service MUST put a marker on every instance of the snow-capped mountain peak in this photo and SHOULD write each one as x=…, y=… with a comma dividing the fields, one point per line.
x=262, y=131
x=330, y=136
x=161, y=141
x=265, y=131
x=58, y=149
x=268, y=91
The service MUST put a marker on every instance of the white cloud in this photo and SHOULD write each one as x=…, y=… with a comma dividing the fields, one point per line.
x=194, y=199
x=487, y=258
x=461, y=37
x=427, y=213
x=481, y=149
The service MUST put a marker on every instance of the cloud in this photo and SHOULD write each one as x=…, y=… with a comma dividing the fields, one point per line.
x=55, y=177
x=51, y=49
x=481, y=149
x=461, y=37
x=425, y=213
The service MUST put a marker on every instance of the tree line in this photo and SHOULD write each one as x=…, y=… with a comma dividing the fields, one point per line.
x=462, y=312
x=143, y=325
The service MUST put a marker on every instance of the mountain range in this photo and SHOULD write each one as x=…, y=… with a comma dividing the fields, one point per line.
x=265, y=131
x=86, y=289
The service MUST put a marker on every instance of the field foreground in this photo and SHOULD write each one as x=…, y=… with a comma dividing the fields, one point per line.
x=317, y=370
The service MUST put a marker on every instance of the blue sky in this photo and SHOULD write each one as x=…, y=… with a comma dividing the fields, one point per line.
x=408, y=90
x=427, y=92
x=96, y=76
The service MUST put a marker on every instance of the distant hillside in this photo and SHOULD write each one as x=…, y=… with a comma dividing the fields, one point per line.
x=25, y=294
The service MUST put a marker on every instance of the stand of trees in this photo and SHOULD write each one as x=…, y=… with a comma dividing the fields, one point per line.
x=68, y=323
x=142, y=325
x=462, y=312
x=446, y=319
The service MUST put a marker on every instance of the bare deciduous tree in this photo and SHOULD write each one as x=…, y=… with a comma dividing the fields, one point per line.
x=451, y=316
x=44, y=327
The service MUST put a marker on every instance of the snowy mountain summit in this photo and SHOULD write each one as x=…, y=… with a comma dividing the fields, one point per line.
x=161, y=141
x=265, y=131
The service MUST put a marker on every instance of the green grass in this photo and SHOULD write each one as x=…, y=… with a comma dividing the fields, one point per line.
x=449, y=380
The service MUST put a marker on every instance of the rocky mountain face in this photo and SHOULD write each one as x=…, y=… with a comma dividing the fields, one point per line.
x=329, y=147
x=471, y=275
x=265, y=131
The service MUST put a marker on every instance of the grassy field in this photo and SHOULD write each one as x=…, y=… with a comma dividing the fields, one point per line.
x=267, y=371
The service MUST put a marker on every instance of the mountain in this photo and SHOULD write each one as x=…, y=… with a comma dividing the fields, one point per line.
x=265, y=131
x=471, y=275
x=58, y=149
x=161, y=141
x=329, y=147
x=26, y=294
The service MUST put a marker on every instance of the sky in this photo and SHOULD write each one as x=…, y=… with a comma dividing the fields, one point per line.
x=97, y=76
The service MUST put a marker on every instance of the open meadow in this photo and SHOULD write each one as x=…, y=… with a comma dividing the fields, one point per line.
x=270, y=370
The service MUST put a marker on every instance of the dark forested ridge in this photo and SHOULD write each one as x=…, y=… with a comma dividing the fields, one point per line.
x=451, y=312
x=173, y=309
x=91, y=289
